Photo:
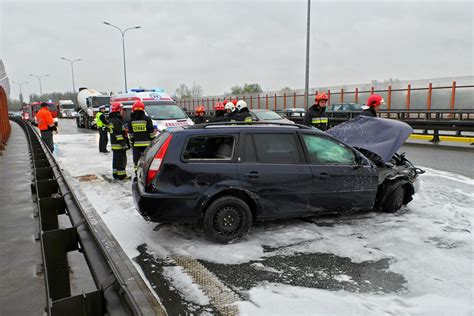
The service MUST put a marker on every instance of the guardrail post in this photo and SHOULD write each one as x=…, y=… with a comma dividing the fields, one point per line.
x=266, y=101
x=284, y=100
x=408, y=98
x=258, y=101
x=294, y=100
x=453, y=95
x=342, y=95
x=372, y=90
x=357, y=95
x=329, y=97
x=428, y=100
x=275, y=102
x=251, y=102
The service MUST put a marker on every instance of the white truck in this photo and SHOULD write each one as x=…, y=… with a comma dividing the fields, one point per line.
x=66, y=108
x=89, y=101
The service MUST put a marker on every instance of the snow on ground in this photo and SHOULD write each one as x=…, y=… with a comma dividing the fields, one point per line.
x=430, y=243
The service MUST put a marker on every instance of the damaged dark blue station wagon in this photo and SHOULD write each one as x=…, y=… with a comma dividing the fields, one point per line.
x=228, y=175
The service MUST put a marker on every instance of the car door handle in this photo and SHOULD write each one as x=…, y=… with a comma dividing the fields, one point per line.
x=252, y=175
x=323, y=176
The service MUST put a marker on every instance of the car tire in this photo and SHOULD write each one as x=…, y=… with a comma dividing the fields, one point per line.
x=227, y=219
x=394, y=201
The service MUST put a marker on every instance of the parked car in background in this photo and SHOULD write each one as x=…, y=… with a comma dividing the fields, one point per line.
x=268, y=116
x=348, y=110
x=226, y=176
x=293, y=112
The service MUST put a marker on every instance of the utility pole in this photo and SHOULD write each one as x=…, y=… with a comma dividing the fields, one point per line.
x=306, y=84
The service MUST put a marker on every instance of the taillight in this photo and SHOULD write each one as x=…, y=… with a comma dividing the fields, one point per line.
x=157, y=160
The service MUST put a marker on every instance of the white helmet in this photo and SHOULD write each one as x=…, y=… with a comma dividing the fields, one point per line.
x=241, y=104
x=229, y=106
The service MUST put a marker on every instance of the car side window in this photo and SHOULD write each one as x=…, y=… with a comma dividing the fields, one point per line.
x=324, y=151
x=277, y=148
x=209, y=148
x=250, y=154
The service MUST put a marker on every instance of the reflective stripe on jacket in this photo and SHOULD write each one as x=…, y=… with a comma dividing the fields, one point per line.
x=141, y=130
x=117, y=134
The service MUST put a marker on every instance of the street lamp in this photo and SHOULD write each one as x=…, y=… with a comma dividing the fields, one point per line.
x=39, y=79
x=72, y=71
x=21, y=93
x=306, y=84
x=123, y=47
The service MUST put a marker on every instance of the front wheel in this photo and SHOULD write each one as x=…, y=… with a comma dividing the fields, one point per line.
x=228, y=218
x=394, y=201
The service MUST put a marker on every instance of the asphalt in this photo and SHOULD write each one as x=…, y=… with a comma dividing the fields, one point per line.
x=21, y=288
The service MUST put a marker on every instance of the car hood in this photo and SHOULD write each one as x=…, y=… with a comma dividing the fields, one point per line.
x=380, y=136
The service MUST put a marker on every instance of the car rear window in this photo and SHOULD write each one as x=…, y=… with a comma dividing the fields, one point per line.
x=277, y=148
x=209, y=148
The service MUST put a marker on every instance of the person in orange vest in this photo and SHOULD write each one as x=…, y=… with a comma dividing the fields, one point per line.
x=46, y=125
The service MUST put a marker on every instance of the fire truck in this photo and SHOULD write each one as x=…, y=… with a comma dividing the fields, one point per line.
x=30, y=110
x=159, y=106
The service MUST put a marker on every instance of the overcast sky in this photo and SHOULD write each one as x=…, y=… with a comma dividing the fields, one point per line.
x=218, y=44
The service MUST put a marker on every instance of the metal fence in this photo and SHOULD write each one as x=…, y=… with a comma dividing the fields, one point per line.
x=431, y=97
x=5, y=127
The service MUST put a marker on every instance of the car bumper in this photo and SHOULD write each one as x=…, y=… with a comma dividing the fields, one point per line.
x=165, y=208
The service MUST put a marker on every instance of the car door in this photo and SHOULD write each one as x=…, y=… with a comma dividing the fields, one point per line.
x=272, y=166
x=340, y=182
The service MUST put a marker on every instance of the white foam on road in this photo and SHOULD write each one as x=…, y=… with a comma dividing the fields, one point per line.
x=430, y=243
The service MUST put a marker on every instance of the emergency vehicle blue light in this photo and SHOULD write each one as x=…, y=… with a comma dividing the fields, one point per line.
x=138, y=90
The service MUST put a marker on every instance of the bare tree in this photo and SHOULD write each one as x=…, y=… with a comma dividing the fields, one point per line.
x=196, y=91
x=183, y=91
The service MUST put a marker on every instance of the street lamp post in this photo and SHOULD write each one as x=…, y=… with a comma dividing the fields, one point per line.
x=123, y=48
x=21, y=92
x=39, y=79
x=72, y=71
x=306, y=84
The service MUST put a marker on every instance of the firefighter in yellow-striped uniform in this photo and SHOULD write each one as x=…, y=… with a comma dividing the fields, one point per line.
x=118, y=142
x=316, y=115
x=140, y=131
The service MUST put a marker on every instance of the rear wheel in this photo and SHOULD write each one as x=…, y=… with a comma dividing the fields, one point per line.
x=226, y=219
x=394, y=201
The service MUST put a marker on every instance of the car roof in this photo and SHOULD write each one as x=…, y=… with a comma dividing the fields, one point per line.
x=243, y=126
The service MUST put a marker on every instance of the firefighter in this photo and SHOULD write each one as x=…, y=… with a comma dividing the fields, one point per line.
x=199, y=117
x=316, y=115
x=219, y=113
x=373, y=103
x=231, y=114
x=102, y=124
x=140, y=131
x=118, y=142
x=46, y=125
x=244, y=114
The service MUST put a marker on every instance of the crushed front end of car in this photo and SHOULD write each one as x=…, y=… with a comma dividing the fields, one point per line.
x=379, y=140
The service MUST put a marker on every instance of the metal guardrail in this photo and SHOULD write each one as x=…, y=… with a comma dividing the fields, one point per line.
x=119, y=288
x=5, y=127
x=408, y=98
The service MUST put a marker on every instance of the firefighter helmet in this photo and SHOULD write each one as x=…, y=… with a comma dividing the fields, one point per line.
x=115, y=107
x=200, y=109
x=230, y=106
x=241, y=104
x=375, y=100
x=138, y=106
x=219, y=106
x=320, y=97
